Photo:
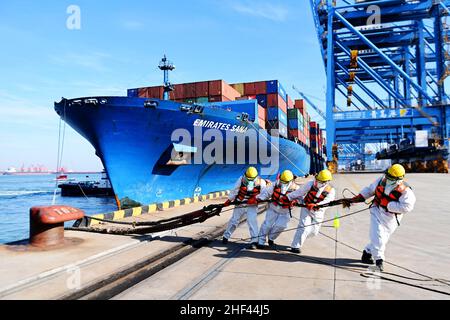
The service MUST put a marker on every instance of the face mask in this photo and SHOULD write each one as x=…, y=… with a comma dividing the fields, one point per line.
x=284, y=187
x=250, y=184
x=390, y=185
x=320, y=184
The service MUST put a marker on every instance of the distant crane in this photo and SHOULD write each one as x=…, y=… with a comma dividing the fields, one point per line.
x=320, y=112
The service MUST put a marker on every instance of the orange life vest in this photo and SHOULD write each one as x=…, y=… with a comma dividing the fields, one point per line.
x=311, y=196
x=245, y=194
x=382, y=200
x=277, y=198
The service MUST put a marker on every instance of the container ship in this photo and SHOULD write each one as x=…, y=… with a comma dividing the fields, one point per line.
x=134, y=137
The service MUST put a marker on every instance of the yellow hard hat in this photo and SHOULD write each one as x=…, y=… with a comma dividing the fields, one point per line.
x=251, y=173
x=324, y=176
x=287, y=176
x=397, y=171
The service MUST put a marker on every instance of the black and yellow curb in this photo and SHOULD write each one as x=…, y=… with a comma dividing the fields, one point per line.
x=138, y=211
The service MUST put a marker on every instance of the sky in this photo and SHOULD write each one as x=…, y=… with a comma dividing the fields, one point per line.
x=119, y=44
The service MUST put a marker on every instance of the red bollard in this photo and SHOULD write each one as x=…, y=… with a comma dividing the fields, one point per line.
x=47, y=224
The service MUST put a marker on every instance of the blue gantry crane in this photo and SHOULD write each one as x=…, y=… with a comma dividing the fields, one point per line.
x=386, y=63
x=349, y=151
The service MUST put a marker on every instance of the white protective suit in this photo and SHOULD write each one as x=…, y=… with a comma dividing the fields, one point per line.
x=309, y=217
x=239, y=211
x=382, y=223
x=277, y=218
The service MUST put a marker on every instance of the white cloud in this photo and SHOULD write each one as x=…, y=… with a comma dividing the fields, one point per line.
x=261, y=9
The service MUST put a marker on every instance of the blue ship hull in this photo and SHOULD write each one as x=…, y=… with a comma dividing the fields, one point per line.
x=133, y=141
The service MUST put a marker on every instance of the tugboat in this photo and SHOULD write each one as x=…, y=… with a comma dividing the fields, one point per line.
x=100, y=188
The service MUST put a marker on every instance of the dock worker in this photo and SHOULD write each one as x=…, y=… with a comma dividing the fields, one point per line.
x=279, y=211
x=245, y=190
x=313, y=193
x=393, y=198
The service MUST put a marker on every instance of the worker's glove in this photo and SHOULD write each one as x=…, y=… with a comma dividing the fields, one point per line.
x=358, y=198
x=252, y=201
x=312, y=207
x=227, y=203
x=294, y=203
x=346, y=203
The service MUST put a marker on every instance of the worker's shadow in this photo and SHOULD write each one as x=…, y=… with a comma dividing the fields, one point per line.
x=281, y=253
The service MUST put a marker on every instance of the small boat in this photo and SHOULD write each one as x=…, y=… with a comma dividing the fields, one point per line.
x=100, y=188
x=64, y=177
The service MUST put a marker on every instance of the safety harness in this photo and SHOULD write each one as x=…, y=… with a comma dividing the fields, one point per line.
x=382, y=200
x=311, y=196
x=245, y=194
x=279, y=199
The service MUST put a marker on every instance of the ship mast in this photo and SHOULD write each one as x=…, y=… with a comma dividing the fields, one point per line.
x=166, y=66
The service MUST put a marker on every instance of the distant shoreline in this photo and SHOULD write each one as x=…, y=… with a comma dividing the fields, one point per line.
x=46, y=173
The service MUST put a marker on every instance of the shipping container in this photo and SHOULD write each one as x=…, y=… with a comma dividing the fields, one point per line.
x=249, y=88
x=274, y=86
x=221, y=88
x=262, y=100
x=275, y=100
x=218, y=99
x=276, y=114
x=178, y=91
x=158, y=92
x=189, y=90
x=294, y=134
x=143, y=93
x=262, y=113
x=296, y=124
x=133, y=93
x=239, y=87
x=299, y=104
x=294, y=114
x=202, y=89
x=290, y=103
x=262, y=124
x=260, y=87
x=215, y=88
x=278, y=126
x=202, y=100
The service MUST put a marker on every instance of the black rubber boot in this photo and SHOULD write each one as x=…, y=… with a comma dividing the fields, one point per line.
x=271, y=243
x=379, y=264
x=253, y=245
x=367, y=258
x=224, y=240
x=260, y=246
x=295, y=250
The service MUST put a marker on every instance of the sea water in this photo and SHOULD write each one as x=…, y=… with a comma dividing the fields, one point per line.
x=18, y=193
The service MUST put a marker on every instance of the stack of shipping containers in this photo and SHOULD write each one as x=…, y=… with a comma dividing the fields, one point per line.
x=276, y=110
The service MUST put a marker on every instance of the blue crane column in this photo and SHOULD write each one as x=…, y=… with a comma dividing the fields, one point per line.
x=331, y=84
